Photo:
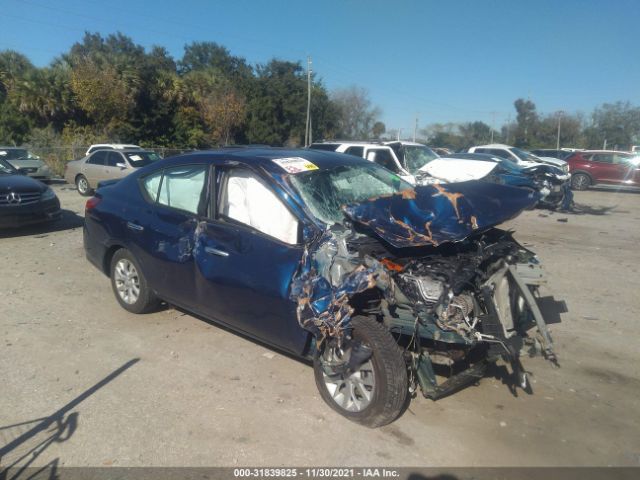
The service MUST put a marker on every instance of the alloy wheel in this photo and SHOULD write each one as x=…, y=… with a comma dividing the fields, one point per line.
x=353, y=391
x=127, y=281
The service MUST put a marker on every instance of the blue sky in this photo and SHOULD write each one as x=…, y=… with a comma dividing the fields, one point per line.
x=444, y=61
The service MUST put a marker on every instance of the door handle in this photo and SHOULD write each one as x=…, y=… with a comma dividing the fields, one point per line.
x=135, y=226
x=216, y=251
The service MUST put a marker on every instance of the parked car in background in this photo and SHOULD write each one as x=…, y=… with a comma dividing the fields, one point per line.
x=24, y=200
x=332, y=258
x=548, y=152
x=401, y=157
x=551, y=183
x=28, y=163
x=105, y=165
x=593, y=167
x=521, y=157
x=111, y=146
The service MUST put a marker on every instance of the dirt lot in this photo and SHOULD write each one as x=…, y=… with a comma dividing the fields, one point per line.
x=194, y=394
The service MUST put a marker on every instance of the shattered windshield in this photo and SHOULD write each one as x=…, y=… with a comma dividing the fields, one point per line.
x=417, y=156
x=326, y=191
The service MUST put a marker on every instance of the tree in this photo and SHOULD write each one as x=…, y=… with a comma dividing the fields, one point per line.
x=277, y=104
x=378, y=129
x=527, y=120
x=356, y=114
x=474, y=133
x=617, y=123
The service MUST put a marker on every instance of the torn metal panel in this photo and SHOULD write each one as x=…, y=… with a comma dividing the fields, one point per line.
x=435, y=214
x=327, y=278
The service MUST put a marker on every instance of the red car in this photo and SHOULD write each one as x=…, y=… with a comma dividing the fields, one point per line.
x=591, y=167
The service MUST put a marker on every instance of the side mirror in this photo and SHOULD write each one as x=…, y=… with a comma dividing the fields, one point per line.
x=121, y=165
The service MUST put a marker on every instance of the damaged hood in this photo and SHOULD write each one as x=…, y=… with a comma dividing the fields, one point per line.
x=431, y=215
x=458, y=170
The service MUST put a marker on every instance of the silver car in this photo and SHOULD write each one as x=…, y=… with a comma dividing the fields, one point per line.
x=105, y=165
x=27, y=162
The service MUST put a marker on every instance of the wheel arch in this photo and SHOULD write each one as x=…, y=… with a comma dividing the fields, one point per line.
x=108, y=256
x=584, y=172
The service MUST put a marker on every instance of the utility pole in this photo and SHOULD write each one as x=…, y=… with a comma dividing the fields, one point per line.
x=415, y=129
x=307, y=133
x=399, y=132
x=560, y=113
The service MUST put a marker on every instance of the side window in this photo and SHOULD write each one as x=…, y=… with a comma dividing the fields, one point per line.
x=356, y=151
x=382, y=157
x=500, y=153
x=248, y=199
x=151, y=185
x=98, y=158
x=617, y=158
x=113, y=158
x=184, y=188
x=602, y=158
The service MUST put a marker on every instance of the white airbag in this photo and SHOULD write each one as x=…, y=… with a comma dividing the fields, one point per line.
x=252, y=202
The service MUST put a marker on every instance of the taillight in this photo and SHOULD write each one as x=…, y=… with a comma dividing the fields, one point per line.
x=92, y=203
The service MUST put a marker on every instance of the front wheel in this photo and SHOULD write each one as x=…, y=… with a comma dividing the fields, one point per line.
x=129, y=284
x=375, y=393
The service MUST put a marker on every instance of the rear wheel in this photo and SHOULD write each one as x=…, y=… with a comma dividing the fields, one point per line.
x=580, y=181
x=82, y=184
x=129, y=285
x=375, y=393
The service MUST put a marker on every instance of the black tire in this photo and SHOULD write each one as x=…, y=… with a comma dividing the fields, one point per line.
x=390, y=372
x=81, y=181
x=580, y=181
x=146, y=301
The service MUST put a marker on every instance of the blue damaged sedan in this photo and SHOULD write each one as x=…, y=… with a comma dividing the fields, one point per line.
x=387, y=287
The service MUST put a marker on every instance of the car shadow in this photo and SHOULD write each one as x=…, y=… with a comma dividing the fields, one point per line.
x=68, y=221
x=31, y=438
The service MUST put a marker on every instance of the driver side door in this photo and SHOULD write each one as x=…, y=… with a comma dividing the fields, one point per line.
x=246, y=256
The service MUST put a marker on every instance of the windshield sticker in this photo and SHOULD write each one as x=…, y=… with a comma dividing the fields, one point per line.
x=295, y=164
x=135, y=157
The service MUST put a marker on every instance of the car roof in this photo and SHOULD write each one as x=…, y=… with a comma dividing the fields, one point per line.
x=493, y=145
x=405, y=142
x=604, y=151
x=263, y=157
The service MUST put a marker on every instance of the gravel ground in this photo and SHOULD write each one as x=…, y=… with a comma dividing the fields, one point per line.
x=193, y=394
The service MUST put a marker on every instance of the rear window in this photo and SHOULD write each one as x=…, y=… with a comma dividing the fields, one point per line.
x=142, y=159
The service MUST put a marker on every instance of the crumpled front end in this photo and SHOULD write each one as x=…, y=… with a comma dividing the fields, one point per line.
x=455, y=292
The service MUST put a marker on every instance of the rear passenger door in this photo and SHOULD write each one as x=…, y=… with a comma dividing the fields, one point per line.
x=165, y=239
x=604, y=168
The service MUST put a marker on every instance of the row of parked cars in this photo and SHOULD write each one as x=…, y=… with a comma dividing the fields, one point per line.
x=500, y=164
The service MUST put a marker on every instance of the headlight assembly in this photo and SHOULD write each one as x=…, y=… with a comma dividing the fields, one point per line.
x=47, y=195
